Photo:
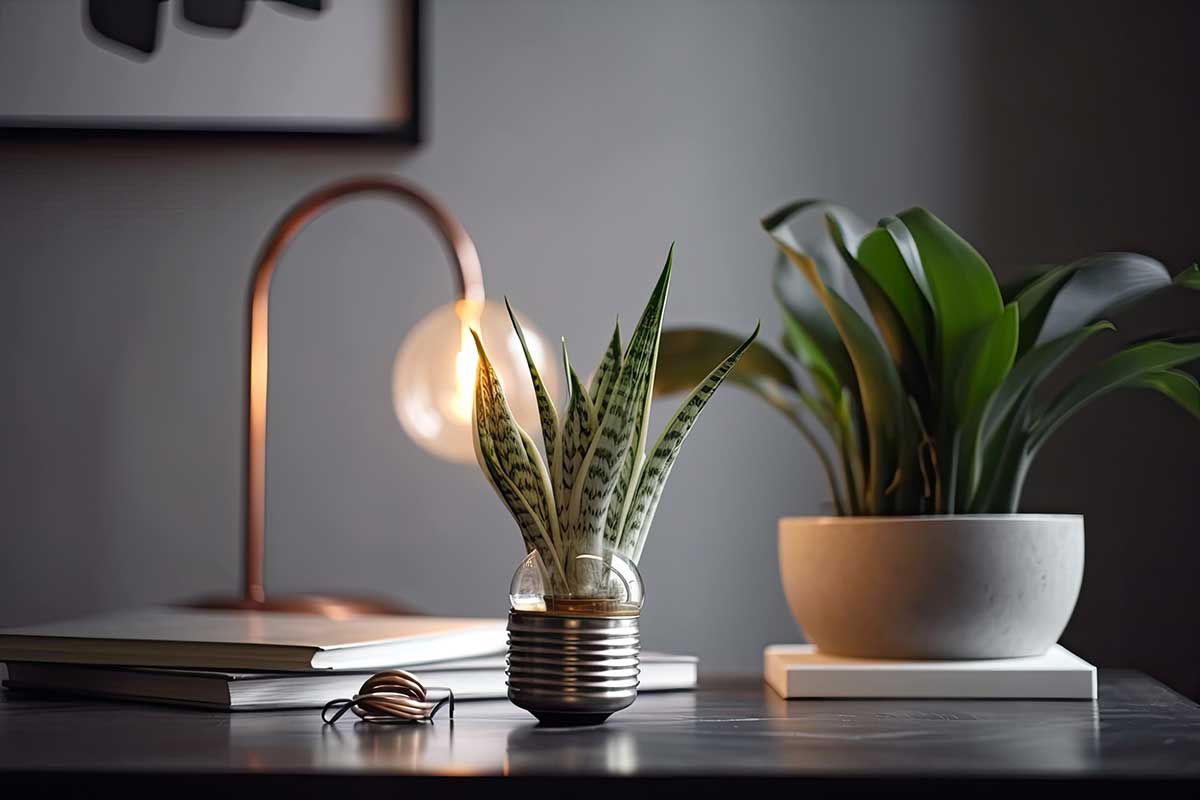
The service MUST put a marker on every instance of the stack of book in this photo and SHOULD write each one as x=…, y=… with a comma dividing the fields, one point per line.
x=245, y=660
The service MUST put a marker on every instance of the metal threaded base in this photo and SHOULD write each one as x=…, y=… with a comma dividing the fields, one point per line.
x=572, y=670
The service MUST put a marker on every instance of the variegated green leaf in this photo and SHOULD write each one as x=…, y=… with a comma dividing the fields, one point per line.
x=654, y=475
x=602, y=465
x=506, y=451
x=643, y=393
x=533, y=534
x=547, y=415
x=579, y=427
x=606, y=374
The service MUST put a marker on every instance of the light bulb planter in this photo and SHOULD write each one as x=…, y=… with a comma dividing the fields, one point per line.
x=574, y=661
x=584, y=510
x=920, y=393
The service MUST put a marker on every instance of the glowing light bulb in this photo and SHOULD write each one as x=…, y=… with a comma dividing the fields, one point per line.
x=433, y=378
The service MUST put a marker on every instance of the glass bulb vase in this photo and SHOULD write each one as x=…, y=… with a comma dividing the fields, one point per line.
x=573, y=660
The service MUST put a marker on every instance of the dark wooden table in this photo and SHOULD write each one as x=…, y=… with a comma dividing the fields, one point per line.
x=729, y=736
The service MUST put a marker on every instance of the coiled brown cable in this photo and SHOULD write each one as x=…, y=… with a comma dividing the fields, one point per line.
x=390, y=697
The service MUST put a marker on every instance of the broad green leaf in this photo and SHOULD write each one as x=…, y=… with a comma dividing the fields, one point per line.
x=654, y=474
x=1010, y=289
x=1175, y=384
x=685, y=356
x=883, y=399
x=812, y=335
x=798, y=343
x=605, y=376
x=907, y=248
x=1034, y=299
x=1028, y=372
x=850, y=450
x=1097, y=285
x=579, y=427
x=1002, y=436
x=782, y=219
x=1126, y=368
x=547, y=415
x=504, y=451
x=893, y=327
x=602, y=464
x=880, y=256
x=964, y=291
x=1189, y=278
x=989, y=357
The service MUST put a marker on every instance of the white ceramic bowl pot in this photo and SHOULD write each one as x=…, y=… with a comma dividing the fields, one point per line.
x=936, y=587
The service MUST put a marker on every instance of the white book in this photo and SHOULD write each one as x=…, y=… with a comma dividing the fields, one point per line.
x=798, y=671
x=469, y=679
x=251, y=640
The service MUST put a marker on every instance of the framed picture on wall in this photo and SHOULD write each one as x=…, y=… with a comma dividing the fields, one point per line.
x=334, y=67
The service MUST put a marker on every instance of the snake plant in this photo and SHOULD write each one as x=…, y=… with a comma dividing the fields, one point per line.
x=921, y=381
x=595, y=490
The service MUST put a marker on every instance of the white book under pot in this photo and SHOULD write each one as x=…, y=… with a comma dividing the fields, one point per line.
x=799, y=671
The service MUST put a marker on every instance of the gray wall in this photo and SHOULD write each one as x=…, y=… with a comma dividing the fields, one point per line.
x=577, y=140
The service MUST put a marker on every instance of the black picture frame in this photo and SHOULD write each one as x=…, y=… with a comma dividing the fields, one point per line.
x=409, y=132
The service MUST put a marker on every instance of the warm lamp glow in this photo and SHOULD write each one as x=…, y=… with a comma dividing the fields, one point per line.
x=433, y=380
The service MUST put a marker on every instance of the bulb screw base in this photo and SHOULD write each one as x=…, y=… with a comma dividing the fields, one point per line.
x=570, y=670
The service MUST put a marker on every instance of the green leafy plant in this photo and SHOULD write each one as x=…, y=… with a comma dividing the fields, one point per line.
x=921, y=395
x=596, y=490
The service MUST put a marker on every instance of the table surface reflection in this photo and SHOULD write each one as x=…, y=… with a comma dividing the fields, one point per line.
x=729, y=728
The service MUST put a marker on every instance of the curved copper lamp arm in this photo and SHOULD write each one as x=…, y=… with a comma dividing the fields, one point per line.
x=469, y=280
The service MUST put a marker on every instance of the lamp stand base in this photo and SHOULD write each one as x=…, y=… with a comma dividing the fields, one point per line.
x=336, y=606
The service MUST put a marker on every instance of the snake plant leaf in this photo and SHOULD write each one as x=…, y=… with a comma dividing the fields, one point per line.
x=964, y=291
x=606, y=456
x=547, y=414
x=1175, y=384
x=1125, y=368
x=643, y=393
x=579, y=426
x=1097, y=285
x=504, y=451
x=892, y=325
x=1189, y=278
x=605, y=376
x=654, y=475
x=889, y=439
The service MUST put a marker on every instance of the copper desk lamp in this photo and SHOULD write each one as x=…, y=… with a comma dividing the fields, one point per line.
x=432, y=381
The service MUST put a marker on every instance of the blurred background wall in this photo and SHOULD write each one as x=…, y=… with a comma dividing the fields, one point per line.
x=577, y=140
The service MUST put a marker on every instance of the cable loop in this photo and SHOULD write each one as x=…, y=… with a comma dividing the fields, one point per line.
x=390, y=697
